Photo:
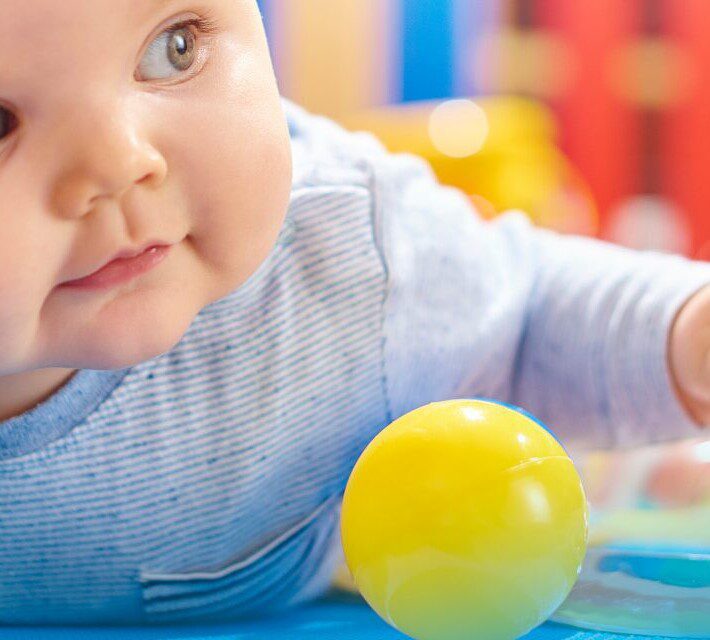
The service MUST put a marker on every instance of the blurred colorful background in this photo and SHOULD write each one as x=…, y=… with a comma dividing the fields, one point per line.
x=593, y=117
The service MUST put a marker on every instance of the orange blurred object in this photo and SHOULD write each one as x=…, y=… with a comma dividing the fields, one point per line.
x=682, y=477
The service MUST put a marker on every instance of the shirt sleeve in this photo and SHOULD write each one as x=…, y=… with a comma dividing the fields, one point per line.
x=572, y=329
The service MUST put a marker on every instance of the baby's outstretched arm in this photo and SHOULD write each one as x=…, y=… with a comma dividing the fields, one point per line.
x=588, y=336
x=690, y=356
x=599, y=355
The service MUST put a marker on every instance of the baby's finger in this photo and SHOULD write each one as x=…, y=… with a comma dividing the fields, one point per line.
x=690, y=355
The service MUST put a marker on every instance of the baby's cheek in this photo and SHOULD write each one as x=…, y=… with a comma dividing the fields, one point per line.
x=247, y=222
x=19, y=317
x=29, y=259
x=19, y=269
x=233, y=162
x=243, y=199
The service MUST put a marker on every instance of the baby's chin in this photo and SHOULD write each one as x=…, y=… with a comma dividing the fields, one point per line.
x=126, y=326
x=136, y=321
x=132, y=329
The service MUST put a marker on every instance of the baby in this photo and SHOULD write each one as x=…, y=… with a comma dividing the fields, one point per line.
x=176, y=429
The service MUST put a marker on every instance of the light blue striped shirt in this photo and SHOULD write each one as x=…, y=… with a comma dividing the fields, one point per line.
x=206, y=483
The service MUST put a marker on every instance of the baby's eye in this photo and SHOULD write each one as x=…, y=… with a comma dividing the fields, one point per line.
x=7, y=122
x=174, y=49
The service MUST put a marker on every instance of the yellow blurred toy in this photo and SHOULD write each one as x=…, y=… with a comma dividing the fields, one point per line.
x=500, y=150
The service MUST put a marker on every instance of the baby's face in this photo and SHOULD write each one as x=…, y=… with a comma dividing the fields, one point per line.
x=117, y=129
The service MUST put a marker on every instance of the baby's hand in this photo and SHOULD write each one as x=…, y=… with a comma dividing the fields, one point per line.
x=690, y=356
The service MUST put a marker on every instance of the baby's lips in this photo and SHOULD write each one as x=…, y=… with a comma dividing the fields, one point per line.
x=123, y=254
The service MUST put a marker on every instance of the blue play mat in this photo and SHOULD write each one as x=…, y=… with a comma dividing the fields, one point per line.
x=337, y=617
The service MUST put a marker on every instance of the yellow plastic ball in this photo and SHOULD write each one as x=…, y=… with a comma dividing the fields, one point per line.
x=464, y=519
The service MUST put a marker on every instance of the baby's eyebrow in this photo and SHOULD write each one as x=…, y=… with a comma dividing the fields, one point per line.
x=153, y=6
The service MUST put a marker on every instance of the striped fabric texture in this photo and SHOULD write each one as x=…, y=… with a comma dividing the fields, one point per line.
x=206, y=483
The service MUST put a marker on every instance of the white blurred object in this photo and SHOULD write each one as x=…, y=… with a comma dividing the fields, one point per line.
x=650, y=222
x=458, y=128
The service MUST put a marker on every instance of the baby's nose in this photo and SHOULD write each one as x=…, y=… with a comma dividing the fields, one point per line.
x=108, y=151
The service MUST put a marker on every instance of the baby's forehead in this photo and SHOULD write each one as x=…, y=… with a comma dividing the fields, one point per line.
x=31, y=12
x=46, y=40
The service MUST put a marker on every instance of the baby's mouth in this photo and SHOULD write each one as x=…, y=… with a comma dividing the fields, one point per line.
x=121, y=269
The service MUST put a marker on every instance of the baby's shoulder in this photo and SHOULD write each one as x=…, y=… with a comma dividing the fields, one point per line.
x=330, y=228
x=324, y=154
x=401, y=184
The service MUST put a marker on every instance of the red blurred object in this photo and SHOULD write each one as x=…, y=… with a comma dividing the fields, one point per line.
x=634, y=118
x=599, y=129
x=686, y=157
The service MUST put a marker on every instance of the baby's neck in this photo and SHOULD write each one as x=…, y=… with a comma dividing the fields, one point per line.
x=22, y=391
